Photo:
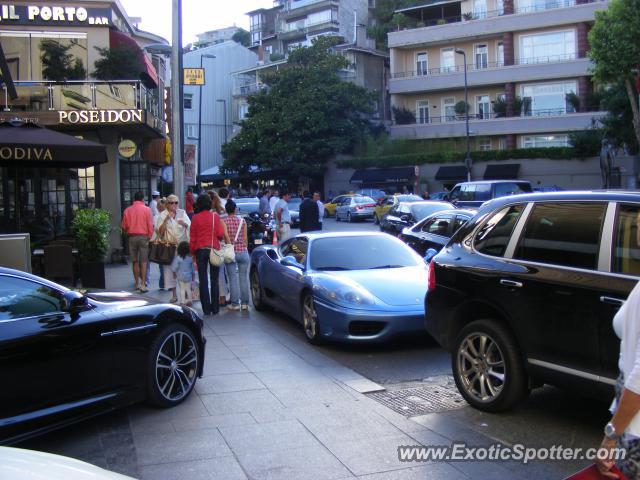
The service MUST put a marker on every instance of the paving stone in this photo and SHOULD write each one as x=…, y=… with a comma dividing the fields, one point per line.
x=239, y=402
x=234, y=382
x=249, y=338
x=260, y=349
x=226, y=468
x=364, y=385
x=180, y=446
x=213, y=421
x=299, y=377
x=434, y=471
x=310, y=463
x=265, y=363
x=192, y=407
x=324, y=393
x=220, y=352
x=492, y=470
x=268, y=437
x=452, y=430
x=214, y=366
x=341, y=373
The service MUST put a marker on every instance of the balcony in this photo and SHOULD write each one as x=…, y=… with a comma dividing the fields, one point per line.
x=301, y=29
x=446, y=30
x=44, y=96
x=302, y=7
x=490, y=73
x=244, y=90
x=541, y=121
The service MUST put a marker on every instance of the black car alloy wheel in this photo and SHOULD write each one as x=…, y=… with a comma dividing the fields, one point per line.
x=487, y=366
x=310, y=319
x=256, y=291
x=174, y=363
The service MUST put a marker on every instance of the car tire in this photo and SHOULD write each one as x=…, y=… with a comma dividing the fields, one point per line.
x=173, y=367
x=310, y=321
x=349, y=219
x=486, y=346
x=256, y=291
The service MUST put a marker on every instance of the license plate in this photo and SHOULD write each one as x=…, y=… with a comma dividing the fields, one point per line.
x=258, y=241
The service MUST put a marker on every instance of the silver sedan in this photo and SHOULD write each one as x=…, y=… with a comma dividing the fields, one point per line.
x=353, y=208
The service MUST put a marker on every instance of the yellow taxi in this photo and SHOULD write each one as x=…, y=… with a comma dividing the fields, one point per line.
x=330, y=207
x=390, y=201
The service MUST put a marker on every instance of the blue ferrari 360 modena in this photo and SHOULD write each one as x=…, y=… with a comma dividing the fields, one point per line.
x=350, y=287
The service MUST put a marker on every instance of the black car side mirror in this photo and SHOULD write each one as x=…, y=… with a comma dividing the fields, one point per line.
x=74, y=302
x=432, y=252
x=405, y=218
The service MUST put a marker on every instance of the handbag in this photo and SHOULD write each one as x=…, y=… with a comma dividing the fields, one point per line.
x=216, y=256
x=161, y=252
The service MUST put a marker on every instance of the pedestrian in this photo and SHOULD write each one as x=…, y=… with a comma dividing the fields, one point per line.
x=283, y=217
x=317, y=198
x=172, y=227
x=223, y=284
x=207, y=229
x=264, y=209
x=189, y=202
x=309, y=214
x=161, y=205
x=223, y=193
x=273, y=199
x=182, y=267
x=154, y=202
x=137, y=224
x=237, y=271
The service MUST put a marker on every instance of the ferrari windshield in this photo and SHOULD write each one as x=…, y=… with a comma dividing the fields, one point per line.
x=363, y=252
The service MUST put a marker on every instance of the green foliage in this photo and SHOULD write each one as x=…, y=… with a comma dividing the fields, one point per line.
x=119, y=63
x=403, y=115
x=617, y=125
x=500, y=107
x=386, y=20
x=242, y=37
x=274, y=57
x=553, y=153
x=58, y=64
x=574, y=100
x=461, y=107
x=304, y=117
x=91, y=228
x=587, y=142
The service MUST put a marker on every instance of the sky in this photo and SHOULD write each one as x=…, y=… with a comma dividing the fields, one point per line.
x=197, y=15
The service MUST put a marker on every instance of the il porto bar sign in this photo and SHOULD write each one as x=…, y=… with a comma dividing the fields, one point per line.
x=73, y=117
x=68, y=15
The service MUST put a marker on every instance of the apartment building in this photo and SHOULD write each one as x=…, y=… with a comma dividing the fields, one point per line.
x=527, y=70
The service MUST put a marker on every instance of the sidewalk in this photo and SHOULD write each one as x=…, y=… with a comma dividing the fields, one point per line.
x=271, y=407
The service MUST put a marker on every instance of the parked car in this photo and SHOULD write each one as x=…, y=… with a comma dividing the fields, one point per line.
x=435, y=230
x=349, y=287
x=374, y=193
x=406, y=214
x=474, y=194
x=390, y=201
x=294, y=210
x=69, y=356
x=355, y=208
x=525, y=292
x=548, y=188
x=246, y=205
x=439, y=195
x=330, y=207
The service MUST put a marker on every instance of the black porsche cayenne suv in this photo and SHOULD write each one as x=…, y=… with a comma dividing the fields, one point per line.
x=524, y=294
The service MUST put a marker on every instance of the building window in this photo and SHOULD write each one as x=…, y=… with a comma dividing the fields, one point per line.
x=546, y=99
x=500, y=7
x=190, y=131
x=525, y=6
x=502, y=143
x=500, y=54
x=256, y=22
x=256, y=37
x=243, y=109
x=422, y=107
x=545, y=141
x=548, y=47
x=187, y=101
x=481, y=53
x=483, y=106
x=448, y=62
x=483, y=144
x=480, y=8
x=83, y=189
x=268, y=50
x=448, y=109
x=422, y=65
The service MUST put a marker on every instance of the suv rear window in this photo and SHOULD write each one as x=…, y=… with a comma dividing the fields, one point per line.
x=515, y=188
x=565, y=234
x=493, y=237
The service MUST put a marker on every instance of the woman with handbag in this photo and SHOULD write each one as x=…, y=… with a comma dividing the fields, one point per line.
x=238, y=270
x=207, y=229
x=217, y=205
x=172, y=227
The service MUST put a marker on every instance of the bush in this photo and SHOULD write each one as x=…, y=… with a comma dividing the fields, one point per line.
x=574, y=100
x=403, y=116
x=500, y=107
x=461, y=108
x=91, y=228
x=587, y=142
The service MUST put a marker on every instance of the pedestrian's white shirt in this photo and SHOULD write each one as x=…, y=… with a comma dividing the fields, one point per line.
x=320, y=210
x=272, y=203
x=154, y=208
x=626, y=324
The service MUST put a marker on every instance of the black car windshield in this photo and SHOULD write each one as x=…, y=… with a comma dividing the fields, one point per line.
x=360, y=253
x=422, y=210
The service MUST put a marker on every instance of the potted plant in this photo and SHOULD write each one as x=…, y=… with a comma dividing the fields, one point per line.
x=573, y=102
x=467, y=16
x=461, y=108
x=91, y=228
x=500, y=107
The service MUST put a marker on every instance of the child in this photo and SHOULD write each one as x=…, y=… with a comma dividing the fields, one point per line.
x=182, y=266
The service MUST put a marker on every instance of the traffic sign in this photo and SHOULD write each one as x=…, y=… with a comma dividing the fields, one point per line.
x=193, y=76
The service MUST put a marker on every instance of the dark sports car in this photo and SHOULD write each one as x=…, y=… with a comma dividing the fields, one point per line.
x=406, y=214
x=435, y=230
x=65, y=356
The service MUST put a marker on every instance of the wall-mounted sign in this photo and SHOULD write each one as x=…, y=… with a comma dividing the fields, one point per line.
x=193, y=76
x=127, y=148
x=100, y=116
x=11, y=14
x=189, y=165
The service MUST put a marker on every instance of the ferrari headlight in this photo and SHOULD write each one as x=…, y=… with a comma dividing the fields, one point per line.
x=336, y=292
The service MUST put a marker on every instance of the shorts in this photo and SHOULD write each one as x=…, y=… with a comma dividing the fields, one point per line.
x=139, y=248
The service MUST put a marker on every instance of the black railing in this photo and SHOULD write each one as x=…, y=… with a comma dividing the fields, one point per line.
x=422, y=119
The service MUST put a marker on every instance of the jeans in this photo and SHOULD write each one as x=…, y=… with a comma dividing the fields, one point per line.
x=238, y=273
x=161, y=282
x=208, y=283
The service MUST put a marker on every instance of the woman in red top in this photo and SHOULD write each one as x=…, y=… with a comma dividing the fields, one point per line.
x=202, y=239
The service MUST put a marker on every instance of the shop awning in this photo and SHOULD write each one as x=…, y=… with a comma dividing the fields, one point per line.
x=28, y=145
x=148, y=73
x=501, y=171
x=382, y=175
x=456, y=173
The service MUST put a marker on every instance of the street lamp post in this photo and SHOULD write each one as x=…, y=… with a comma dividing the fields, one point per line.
x=200, y=115
x=224, y=106
x=467, y=160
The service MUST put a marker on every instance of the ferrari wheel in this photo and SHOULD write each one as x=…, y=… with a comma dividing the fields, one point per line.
x=310, y=320
x=256, y=291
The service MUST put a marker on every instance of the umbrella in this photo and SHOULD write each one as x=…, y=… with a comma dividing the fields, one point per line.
x=29, y=145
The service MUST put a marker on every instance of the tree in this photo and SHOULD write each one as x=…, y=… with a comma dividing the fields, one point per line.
x=119, y=63
x=242, y=37
x=617, y=124
x=58, y=64
x=615, y=50
x=304, y=117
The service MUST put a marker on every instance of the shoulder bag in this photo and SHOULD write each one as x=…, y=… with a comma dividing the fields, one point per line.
x=161, y=251
x=219, y=256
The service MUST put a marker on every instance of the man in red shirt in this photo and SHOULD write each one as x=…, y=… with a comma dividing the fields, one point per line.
x=137, y=223
x=189, y=203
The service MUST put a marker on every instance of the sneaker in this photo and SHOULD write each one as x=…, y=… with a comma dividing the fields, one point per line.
x=244, y=306
x=234, y=306
x=143, y=289
x=173, y=300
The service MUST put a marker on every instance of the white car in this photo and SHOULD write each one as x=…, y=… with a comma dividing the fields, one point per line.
x=18, y=463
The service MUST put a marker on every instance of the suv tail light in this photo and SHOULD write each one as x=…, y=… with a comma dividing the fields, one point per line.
x=431, y=273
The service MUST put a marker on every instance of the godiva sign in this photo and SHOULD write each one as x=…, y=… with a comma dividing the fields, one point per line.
x=100, y=116
x=53, y=15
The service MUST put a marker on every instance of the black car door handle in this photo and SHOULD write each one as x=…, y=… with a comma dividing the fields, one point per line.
x=510, y=283
x=612, y=301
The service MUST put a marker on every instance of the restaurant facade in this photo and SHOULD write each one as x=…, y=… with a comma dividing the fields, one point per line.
x=127, y=116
